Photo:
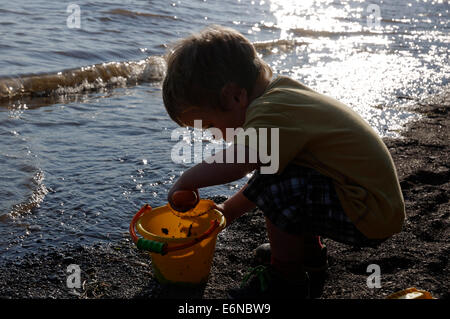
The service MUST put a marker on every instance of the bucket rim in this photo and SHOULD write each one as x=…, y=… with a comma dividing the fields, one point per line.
x=149, y=235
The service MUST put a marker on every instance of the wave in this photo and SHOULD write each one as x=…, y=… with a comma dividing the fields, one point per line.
x=397, y=21
x=324, y=33
x=35, y=198
x=53, y=86
x=134, y=14
x=58, y=86
x=84, y=79
x=268, y=47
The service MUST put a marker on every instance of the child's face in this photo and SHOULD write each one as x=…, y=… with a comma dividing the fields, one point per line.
x=231, y=116
x=215, y=118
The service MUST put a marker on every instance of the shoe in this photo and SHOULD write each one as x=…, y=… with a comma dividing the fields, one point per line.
x=316, y=265
x=315, y=261
x=264, y=282
x=262, y=254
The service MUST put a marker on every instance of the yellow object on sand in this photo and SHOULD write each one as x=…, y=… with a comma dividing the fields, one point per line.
x=411, y=293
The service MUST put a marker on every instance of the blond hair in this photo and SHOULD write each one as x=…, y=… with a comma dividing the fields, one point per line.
x=199, y=66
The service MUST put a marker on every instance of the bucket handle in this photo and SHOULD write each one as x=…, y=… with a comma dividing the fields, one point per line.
x=160, y=247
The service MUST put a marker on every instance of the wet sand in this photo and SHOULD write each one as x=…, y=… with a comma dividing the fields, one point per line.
x=416, y=257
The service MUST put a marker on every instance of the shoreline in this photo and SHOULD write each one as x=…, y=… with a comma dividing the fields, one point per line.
x=416, y=257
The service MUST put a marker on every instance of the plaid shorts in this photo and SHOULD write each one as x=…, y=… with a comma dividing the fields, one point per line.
x=300, y=200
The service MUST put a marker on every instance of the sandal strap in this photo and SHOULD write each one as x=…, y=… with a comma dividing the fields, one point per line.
x=261, y=272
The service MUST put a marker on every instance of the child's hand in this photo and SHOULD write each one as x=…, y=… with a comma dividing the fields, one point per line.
x=219, y=207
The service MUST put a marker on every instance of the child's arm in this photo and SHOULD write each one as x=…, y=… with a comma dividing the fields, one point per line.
x=205, y=174
x=235, y=206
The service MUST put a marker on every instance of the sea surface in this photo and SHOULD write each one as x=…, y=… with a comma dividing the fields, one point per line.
x=84, y=137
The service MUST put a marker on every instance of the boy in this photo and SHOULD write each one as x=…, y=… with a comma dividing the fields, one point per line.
x=335, y=177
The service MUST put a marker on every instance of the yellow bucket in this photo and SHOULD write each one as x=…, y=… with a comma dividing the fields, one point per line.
x=181, y=248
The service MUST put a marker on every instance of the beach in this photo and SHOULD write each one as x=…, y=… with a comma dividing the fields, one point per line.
x=416, y=257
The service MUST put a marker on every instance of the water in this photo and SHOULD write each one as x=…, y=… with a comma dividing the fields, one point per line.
x=85, y=140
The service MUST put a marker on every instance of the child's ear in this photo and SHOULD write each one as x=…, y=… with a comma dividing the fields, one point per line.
x=243, y=98
x=234, y=95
